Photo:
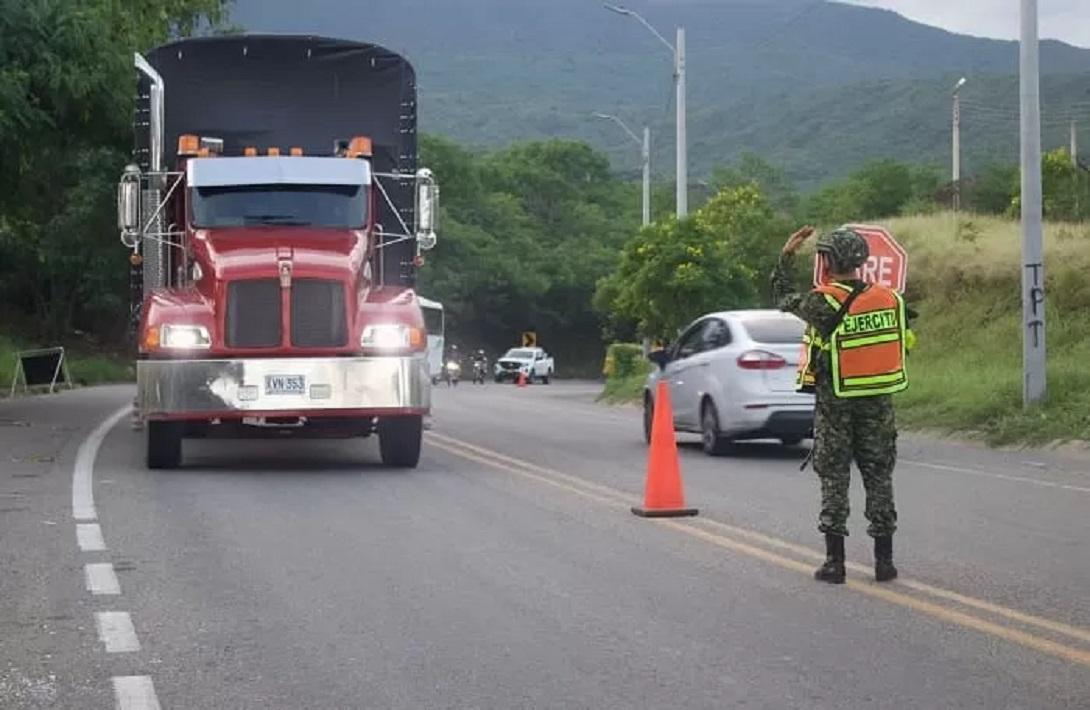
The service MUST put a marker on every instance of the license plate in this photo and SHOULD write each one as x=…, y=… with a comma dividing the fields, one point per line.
x=285, y=384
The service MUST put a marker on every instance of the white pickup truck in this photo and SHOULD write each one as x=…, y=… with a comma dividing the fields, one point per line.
x=535, y=363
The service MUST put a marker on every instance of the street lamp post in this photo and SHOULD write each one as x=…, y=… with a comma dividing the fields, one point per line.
x=957, y=143
x=645, y=153
x=678, y=50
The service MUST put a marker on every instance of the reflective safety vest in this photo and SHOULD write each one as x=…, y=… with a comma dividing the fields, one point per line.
x=866, y=351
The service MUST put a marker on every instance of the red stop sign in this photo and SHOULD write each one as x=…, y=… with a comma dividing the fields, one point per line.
x=887, y=264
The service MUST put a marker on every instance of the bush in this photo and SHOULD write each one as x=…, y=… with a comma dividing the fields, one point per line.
x=625, y=370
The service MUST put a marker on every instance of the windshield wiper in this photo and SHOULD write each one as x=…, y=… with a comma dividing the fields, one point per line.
x=285, y=219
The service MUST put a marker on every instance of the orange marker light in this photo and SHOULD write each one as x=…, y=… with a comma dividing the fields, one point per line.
x=274, y=152
x=296, y=151
x=360, y=147
x=416, y=338
x=249, y=151
x=188, y=144
x=151, y=338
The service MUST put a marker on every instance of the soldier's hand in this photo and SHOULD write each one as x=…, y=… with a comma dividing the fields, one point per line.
x=797, y=240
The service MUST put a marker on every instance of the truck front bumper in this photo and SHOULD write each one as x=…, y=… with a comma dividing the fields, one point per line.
x=352, y=386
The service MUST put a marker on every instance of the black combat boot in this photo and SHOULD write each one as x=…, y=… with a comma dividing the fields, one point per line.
x=884, y=571
x=833, y=569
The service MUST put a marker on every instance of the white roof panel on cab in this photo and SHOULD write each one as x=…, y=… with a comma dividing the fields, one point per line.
x=277, y=170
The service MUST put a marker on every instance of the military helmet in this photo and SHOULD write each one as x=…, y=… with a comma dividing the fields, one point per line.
x=845, y=248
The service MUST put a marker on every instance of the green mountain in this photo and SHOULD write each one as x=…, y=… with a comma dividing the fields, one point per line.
x=817, y=87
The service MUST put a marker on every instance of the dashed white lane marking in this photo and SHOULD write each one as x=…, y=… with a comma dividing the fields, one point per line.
x=83, y=497
x=1000, y=476
x=135, y=692
x=116, y=631
x=89, y=537
x=101, y=578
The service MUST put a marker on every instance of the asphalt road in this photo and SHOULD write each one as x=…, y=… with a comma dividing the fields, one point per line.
x=508, y=572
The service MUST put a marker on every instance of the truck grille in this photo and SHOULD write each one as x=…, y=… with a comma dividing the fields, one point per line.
x=318, y=314
x=253, y=313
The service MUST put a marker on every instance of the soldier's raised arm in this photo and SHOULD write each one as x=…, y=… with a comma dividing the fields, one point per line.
x=809, y=306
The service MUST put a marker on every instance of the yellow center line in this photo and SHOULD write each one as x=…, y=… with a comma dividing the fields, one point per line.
x=613, y=497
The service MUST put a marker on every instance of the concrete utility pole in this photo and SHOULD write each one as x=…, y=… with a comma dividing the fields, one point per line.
x=1034, y=386
x=957, y=144
x=645, y=153
x=682, y=138
x=1075, y=143
x=678, y=51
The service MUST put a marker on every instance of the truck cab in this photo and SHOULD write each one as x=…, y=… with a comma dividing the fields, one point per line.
x=271, y=308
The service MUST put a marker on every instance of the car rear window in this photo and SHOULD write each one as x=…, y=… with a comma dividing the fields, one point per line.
x=774, y=330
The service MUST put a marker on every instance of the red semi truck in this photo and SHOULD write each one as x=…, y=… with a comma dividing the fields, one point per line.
x=276, y=217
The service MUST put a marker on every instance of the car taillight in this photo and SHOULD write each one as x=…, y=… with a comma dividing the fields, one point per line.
x=760, y=360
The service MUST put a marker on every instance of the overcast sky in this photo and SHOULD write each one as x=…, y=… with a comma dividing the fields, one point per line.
x=1068, y=20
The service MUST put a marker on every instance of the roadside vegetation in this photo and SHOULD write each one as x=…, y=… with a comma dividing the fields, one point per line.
x=85, y=366
x=964, y=278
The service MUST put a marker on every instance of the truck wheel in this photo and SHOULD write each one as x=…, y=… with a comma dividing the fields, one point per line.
x=399, y=441
x=164, y=445
x=545, y=379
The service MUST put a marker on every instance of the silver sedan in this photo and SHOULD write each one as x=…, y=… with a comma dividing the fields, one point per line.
x=732, y=377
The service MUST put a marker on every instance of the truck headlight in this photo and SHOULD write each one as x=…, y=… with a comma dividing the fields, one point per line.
x=184, y=337
x=389, y=337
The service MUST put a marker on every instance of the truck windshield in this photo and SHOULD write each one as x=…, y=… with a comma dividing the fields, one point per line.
x=337, y=206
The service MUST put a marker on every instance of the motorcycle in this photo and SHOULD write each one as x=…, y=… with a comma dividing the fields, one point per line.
x=452, y=373
x=480, y=371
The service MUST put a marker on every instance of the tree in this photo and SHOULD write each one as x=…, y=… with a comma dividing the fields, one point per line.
x=528, y=232
x=993, y=189
x=673, y=271
x=66, y=100
x=772, y=181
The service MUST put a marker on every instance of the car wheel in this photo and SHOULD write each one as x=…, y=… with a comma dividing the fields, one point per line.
x=648, y=417
x=713, y=443
x=791, y=440
x=545, y=379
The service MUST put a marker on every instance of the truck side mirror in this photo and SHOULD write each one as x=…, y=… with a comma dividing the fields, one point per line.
x=427, y=209
x=128, y=206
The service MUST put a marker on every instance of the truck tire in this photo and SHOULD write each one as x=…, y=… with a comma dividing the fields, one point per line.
x=399, y=440
x=545, y=379
x=164, y=445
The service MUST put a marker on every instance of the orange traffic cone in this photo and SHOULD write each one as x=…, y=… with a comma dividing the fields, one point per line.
x=663, y=496
x=522, y=379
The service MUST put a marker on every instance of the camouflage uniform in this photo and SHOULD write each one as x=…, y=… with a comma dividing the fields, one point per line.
x=862, y=429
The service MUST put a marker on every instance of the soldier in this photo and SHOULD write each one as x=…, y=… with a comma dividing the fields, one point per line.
x=853, y=360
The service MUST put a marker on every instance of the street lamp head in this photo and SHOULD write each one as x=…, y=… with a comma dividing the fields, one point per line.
x=961, y=83
x=617, y=9
x=606, y=116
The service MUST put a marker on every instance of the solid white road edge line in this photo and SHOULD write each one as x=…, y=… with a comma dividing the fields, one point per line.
x=135, y=692
x=83, y=497
x=89, y=537
x=116, y=631
x=101, y=578
x=1000, y=476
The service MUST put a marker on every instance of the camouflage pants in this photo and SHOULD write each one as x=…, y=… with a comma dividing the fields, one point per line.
x=863, y=430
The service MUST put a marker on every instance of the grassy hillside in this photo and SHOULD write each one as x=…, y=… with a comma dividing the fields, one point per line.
x=964, y=277
x=816, y=87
